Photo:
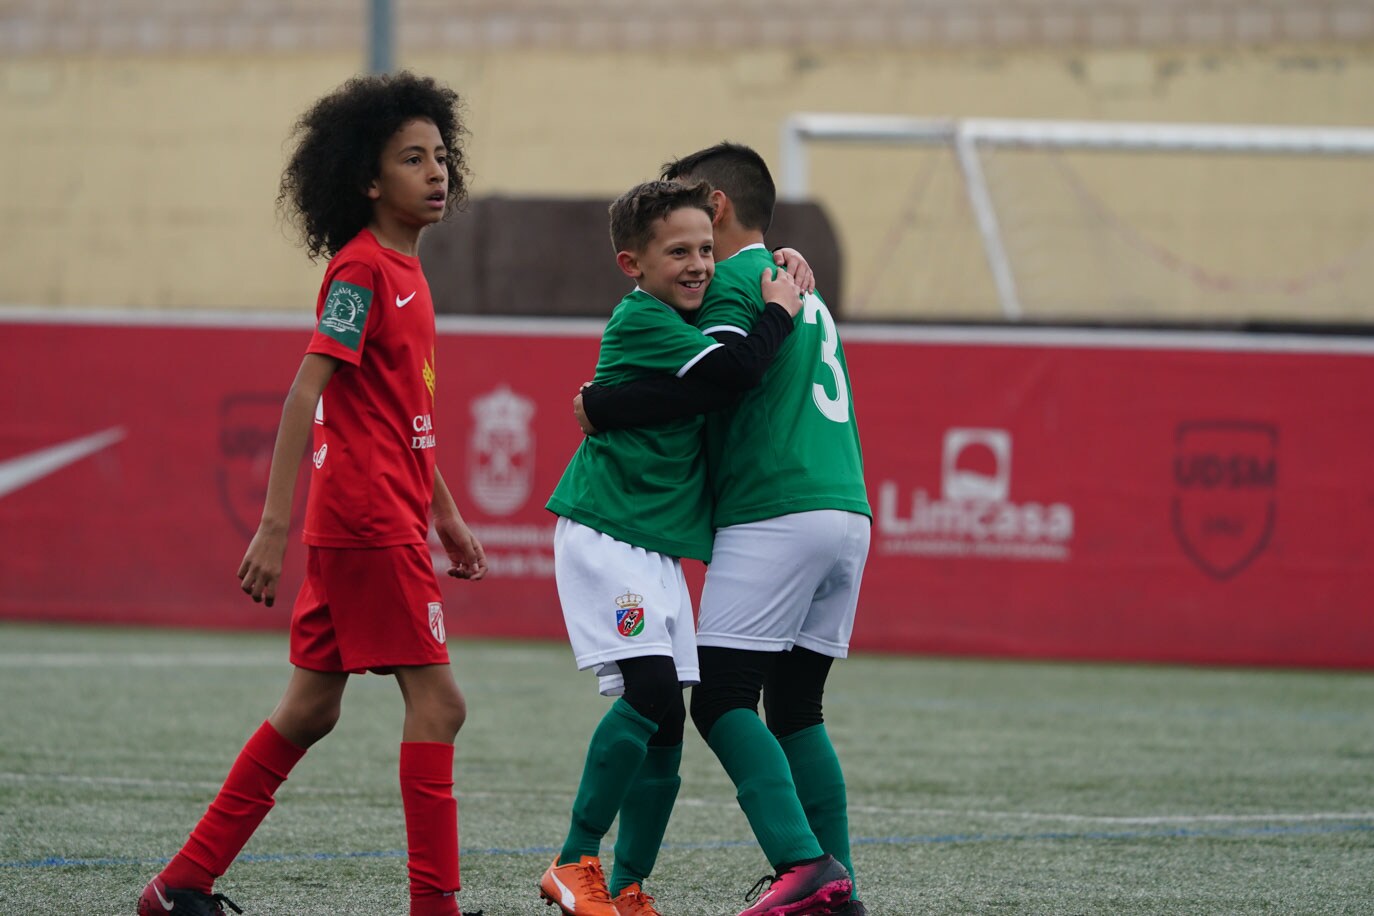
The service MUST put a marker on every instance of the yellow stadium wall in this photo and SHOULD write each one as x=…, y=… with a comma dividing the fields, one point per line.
x=149, y=182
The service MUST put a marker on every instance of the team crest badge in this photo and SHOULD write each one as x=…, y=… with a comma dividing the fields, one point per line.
x=344, y=314
x=247, y=431
x=629, y=616
x=436, y=622
x=501, y=451
x=1225, y=492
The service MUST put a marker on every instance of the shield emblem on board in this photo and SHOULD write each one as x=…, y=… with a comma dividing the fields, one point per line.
x=1225, y=502
x=247, y=431
x=501, y=451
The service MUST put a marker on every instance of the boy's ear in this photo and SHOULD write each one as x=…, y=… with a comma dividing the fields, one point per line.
x=372, y=191
x=722, y=204
x=628, y=262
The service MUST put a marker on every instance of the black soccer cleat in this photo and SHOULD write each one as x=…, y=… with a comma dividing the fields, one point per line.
x=160, y=900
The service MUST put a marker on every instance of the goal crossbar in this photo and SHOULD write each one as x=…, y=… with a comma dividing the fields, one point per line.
x=965, y=135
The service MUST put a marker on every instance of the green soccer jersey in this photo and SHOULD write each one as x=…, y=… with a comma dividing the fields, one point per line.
x=791, y=444
x=646, y=487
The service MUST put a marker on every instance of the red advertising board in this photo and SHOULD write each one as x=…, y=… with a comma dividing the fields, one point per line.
x=1154, y=497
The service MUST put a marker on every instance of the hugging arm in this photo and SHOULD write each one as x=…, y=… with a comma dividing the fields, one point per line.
x=714, y=383
x=716, y=380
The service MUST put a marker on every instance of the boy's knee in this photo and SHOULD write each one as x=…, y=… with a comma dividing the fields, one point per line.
x=443, y=715
x=458, y=712
x=730, y=679
x=652, y=687
x=790, y=713
x=793, y=695
x=303, y=724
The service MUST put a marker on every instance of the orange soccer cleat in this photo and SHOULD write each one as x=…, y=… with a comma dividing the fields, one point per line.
x=578, y=888
x=632, y=901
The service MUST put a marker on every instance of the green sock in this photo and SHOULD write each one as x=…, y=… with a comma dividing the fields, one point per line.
x=644, y=817
x=820, y=787
x=763, y=785
x=616, y=752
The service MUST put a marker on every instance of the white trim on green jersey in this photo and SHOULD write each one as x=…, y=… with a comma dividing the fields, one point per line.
x=647, y=486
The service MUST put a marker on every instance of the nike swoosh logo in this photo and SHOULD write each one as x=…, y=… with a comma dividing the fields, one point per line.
x=568, y=897
x=402, y=303
x=17, y=473
x=166, y=904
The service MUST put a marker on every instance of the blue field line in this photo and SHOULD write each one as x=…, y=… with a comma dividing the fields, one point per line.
x=917, y=840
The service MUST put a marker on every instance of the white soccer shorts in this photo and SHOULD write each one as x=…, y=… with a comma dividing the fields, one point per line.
x=621, y=601
x=786, y=581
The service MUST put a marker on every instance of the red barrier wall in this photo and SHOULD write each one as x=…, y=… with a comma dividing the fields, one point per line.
x=1072, y=495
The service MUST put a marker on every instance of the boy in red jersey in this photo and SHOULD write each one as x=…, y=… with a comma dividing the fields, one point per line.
x=377, y=161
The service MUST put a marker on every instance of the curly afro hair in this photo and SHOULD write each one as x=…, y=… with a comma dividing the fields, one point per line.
x=338, y=151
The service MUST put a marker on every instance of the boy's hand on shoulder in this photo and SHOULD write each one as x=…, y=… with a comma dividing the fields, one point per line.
x=791, y=260
x=463, y=549
x=778, y=286
x=260, y=570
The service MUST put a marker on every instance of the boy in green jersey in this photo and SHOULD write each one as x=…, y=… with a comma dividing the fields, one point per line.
x=792, y=526
x=630, y=505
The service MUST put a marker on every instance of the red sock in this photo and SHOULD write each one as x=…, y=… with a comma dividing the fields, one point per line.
x=431, y=827
x=243, y=801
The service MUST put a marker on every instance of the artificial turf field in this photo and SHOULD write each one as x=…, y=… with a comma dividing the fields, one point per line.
x=974, y=786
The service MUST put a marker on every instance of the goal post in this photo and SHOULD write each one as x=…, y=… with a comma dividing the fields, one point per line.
x=971, y=141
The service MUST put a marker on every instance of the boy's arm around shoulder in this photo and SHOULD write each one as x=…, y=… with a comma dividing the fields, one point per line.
x=715, y=382
x=261, y=567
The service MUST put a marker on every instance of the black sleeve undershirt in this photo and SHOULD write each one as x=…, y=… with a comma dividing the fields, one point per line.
x=714, y=383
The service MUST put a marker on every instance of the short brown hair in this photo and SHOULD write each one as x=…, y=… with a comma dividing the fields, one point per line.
x=634, y=213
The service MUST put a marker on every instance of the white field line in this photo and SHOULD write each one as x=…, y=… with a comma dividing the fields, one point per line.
x=169, y=659
x=1086, y=818
x=1158, y=820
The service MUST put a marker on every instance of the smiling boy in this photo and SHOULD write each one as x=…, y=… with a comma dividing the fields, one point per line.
x=631, y=504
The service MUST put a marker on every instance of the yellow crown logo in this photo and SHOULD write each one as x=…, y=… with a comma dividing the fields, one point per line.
x=429, y=376
x=629, y=599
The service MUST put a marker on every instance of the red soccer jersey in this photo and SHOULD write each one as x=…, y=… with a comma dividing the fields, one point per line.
x=373, y=479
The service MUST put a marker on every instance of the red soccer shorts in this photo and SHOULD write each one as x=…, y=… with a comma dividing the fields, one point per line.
x=369, y=609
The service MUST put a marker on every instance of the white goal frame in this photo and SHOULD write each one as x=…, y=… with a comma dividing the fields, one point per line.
x=964, y=136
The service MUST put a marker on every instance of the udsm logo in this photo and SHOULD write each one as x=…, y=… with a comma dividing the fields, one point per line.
x=247, y=432
x=1225, y=492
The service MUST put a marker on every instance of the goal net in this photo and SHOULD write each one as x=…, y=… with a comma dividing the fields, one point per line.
x=1092, y=222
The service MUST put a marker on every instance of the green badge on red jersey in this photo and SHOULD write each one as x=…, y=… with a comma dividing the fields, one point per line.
x=345, y=313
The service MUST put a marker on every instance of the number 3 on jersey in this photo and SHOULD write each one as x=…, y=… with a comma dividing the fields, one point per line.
x=832, y=408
